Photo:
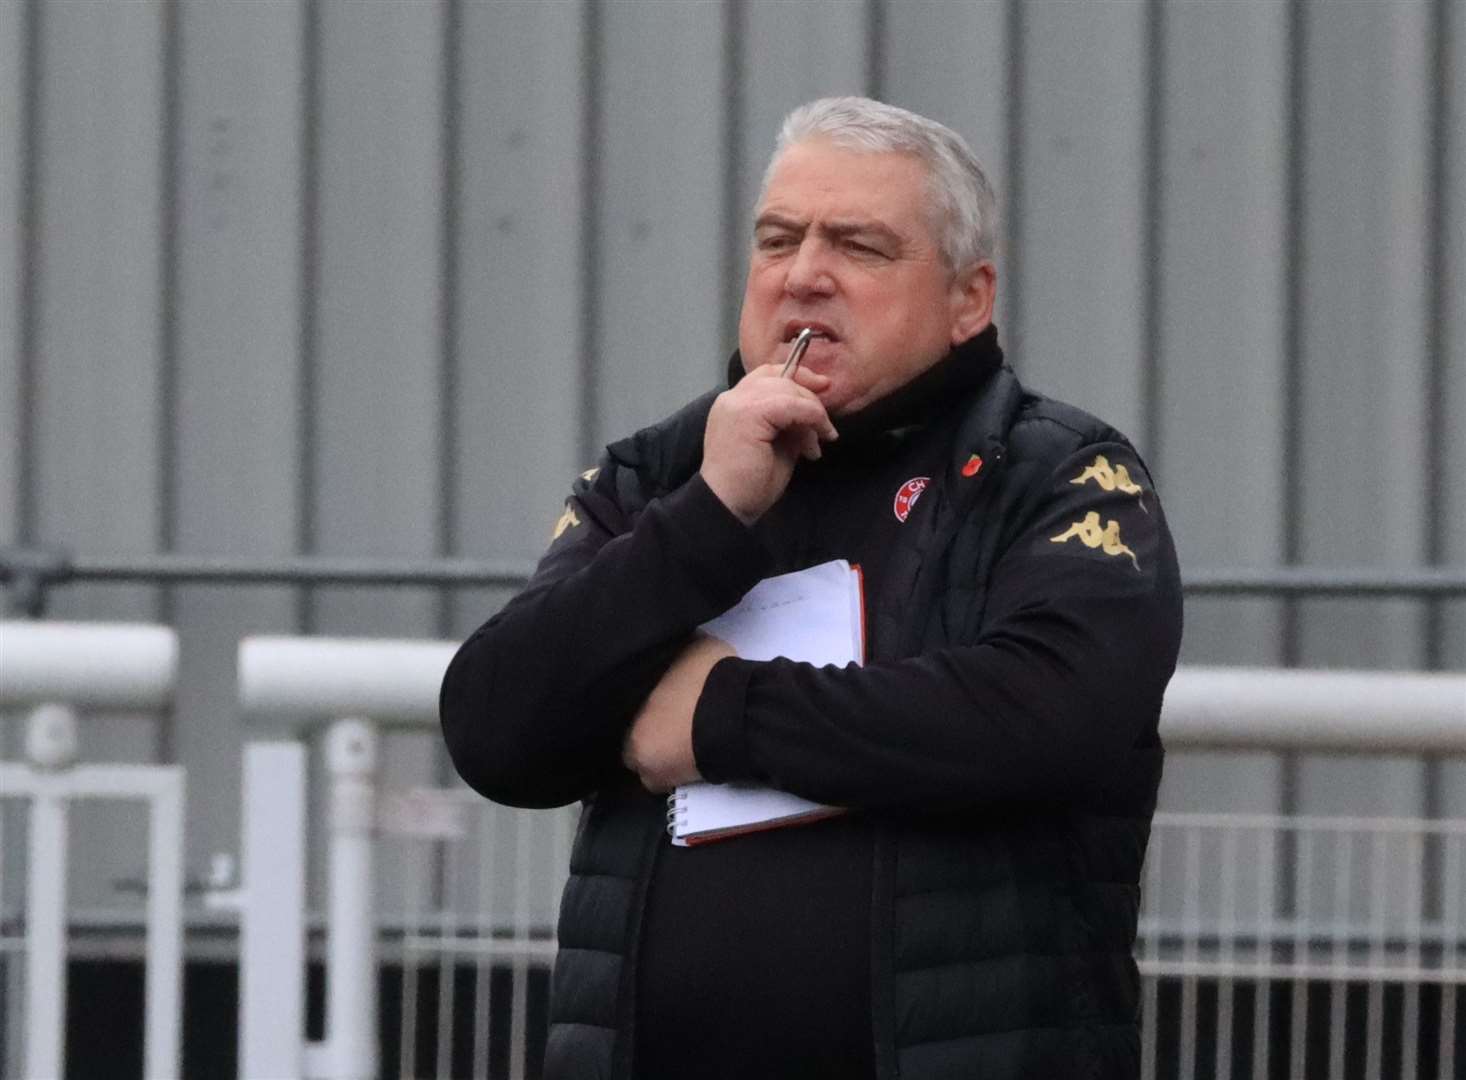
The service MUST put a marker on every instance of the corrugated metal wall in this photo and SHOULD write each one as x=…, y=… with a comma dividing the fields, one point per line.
x=378, y=279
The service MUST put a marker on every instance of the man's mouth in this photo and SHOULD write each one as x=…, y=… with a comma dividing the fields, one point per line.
x=820, y=331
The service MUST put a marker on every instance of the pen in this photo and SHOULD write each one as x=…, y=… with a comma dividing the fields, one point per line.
x=797, y=353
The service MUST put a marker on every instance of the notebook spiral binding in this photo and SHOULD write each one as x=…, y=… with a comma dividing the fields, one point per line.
x=676, y=812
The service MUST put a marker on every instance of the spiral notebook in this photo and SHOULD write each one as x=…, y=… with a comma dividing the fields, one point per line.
x=817, y=616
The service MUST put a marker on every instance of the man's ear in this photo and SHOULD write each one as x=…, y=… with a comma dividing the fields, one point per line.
x=974, y=291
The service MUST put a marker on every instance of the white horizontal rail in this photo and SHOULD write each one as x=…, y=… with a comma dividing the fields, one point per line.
x=96, y=665
x=316, y=679
x=1338, y=711
x=307, y=679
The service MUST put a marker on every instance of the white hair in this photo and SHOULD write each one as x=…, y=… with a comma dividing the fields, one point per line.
x=963, y=208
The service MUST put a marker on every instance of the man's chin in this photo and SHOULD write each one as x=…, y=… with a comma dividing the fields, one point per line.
x=837, y=402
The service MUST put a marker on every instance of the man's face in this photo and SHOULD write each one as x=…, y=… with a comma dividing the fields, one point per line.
x=843, y=244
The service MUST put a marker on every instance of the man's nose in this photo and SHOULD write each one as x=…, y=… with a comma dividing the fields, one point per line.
x=809, y=271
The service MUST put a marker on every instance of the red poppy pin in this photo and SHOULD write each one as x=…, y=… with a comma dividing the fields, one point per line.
x=974, y=463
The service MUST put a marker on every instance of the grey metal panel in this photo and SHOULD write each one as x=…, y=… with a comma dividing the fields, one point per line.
x=98, y=452
x=1364, y=335
x=13, y=119
x=1364, y=351
x=1221, y=340
x=98, y=338
x=519, y=256
x=238, y=335
x=792, y=54
x=519, y=248
x=379, y=342
x=950, y=62
x=1083, y=143
x=1223, y=260
x=657, y=341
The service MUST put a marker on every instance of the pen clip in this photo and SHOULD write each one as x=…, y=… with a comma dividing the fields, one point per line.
x=796, y=353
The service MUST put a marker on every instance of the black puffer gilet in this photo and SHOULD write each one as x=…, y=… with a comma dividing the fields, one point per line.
x=1001, y=942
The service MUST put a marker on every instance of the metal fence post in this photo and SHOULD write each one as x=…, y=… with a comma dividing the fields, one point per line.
x=272, y=912
x=50, y=743
x=163, y=1013
x=45, y=977
x=351, y=951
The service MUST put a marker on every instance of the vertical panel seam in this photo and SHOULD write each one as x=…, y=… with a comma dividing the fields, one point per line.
x=1289, y=775
x=1013, y=216
x=733, y=153
x=1293, y=328
x=1151, y=372
x=310, y=104
x=29, y=292
x=1437, y=345
x=590, y=163
x=448, y=297
x=1437, y=332
x=449, y=149
x=168, y=347
x=875, y=48
x=167, y=419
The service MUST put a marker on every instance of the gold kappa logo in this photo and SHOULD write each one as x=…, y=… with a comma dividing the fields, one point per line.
x=1089, y=533
x=1116, y=478
x=568, y=520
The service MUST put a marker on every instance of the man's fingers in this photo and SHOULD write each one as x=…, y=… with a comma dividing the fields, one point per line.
x=765, y=385
x=755, y=432
x=811, y=441
x=790, y=410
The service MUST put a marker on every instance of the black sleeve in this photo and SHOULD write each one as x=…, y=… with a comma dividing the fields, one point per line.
x=535, y=704
x=1080, y=636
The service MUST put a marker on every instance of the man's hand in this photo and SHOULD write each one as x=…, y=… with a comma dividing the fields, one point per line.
x=757, y=431
x=658, y=745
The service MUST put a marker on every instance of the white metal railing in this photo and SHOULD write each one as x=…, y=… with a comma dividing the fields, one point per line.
x=50, y=669
x=332, y=683
x=1213, y=917
x=1355, y=712
x=476, y=935
x=473, y=922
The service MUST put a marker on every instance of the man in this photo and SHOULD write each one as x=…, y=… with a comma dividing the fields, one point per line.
x=973, y=914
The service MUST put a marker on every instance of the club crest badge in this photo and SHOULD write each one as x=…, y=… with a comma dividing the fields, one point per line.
x=907, y=495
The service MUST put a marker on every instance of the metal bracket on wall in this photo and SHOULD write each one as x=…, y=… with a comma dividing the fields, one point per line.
x=30, y=572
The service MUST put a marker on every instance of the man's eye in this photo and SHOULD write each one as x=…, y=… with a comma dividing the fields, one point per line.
x=865, y=249
x=774, y=243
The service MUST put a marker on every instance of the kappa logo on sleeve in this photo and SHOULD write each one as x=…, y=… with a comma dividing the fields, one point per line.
x=1111, y=478
x=567, y=520
x=1089, y=533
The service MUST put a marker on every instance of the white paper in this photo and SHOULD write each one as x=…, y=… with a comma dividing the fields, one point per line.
x=811, y=615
